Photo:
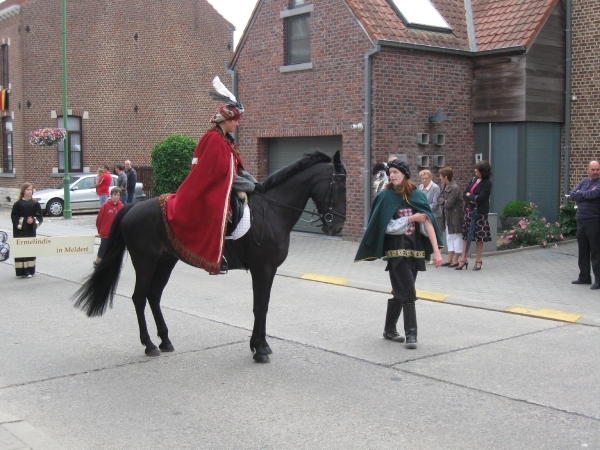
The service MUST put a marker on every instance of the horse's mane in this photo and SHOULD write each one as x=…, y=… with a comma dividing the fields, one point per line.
x=309, y=160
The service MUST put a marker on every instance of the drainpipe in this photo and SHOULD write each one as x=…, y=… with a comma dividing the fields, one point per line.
x=233, y=74
x=568, y=97
x=367, y=152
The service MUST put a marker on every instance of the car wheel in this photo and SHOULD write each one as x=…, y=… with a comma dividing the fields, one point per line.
x=55, y=207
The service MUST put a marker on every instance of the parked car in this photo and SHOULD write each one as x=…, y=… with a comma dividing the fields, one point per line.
x=83, y=196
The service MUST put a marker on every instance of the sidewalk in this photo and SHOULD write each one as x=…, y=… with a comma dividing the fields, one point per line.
x=535, y=281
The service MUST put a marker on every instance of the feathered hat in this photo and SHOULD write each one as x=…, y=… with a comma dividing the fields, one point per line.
x=232, y=109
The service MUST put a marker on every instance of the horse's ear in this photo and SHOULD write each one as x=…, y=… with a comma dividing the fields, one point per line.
x=337, y=158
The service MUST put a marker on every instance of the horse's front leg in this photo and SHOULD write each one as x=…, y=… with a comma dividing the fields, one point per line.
x=262, y=281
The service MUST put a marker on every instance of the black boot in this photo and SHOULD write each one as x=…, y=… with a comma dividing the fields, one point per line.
x=410, y=325
x=394, y=308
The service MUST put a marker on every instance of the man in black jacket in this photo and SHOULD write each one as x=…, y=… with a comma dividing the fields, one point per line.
x=587, y=196
x=131, y=181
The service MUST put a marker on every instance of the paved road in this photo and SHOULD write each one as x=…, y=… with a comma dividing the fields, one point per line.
x=480, y=378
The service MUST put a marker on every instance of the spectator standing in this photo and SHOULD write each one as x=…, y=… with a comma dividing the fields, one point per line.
x=450, y=201
x=103, y=184
x=122, y=182
x=26, y=218
x=131, y=181
x=432, y=191
x=105, y=218
x=587, y=196
x=477, y=197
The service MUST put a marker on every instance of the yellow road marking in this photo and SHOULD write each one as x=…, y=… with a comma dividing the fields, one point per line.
x=435, y=296
x=325, y=278
x=545, y=313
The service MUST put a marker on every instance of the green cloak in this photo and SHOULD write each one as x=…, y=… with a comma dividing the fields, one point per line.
x=386, y=203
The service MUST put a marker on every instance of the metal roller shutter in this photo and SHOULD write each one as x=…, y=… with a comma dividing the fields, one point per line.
x=284, y=151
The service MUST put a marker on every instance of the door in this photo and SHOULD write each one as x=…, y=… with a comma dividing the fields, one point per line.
x=284, y=151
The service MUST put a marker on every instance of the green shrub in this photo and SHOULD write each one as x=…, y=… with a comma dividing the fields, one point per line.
x=171, y=161
x=517, y=208
x=532, y=231
x=567, y=219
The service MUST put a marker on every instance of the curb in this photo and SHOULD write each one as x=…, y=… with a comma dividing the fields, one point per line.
x=18, y=434
x=546, y=314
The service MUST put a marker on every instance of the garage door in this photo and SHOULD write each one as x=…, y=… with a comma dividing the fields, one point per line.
x=284, y=151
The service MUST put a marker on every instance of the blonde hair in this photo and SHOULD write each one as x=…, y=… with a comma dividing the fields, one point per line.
x=425, y=173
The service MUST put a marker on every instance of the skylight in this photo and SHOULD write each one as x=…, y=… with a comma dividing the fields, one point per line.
x=420, y=13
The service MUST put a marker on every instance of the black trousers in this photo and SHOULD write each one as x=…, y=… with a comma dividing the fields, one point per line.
x=403, y=275
x=588, y=242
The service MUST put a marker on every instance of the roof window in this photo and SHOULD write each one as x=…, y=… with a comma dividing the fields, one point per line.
x=420, y=14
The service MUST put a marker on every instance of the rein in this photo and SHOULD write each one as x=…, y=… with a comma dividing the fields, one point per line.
x=327, y=217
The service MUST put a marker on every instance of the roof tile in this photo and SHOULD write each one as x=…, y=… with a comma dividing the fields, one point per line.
x=498, y=23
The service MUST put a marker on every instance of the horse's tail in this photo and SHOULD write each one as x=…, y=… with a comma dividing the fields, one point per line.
x=99, y=288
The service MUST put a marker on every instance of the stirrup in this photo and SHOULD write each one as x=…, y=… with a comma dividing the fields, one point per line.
x=223, y=267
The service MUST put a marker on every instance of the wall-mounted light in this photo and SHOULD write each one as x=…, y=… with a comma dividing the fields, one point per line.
x=438, y=117
x=357, y=127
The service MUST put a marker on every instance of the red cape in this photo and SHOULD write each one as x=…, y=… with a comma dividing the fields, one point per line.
x=197, y=213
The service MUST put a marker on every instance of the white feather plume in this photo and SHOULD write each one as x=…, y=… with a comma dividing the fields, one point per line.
x=221, y=89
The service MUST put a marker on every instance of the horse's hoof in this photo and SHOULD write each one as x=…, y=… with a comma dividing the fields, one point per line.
x=166, y=348
x=152, y=352
x=267, y=350
x=262, y=359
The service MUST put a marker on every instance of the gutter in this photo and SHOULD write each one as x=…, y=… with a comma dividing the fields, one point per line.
x=450, y=51
x=367, y=150
x=568, y=98
x=234, y=88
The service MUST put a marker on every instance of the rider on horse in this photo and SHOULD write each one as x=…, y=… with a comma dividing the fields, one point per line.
x=198, y=213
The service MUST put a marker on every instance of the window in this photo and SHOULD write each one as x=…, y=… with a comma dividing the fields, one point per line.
x=420, y=14
x=7, y=154
x=298, y=39
x=5, y=66
x=4, y=93
x=75, y=145
x=296, y=3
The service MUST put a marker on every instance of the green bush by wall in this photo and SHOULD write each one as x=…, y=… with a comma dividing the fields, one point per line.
x=171, y=161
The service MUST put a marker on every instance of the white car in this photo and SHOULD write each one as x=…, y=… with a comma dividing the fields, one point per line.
x=83, y=196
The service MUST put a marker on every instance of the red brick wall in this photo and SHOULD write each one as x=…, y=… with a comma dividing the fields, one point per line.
x=408, y=88
x=585, y=122
x=166, y=72
x=322, y=101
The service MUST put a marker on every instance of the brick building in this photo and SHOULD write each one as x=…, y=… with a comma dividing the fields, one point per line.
x=137, y=72
x=307, y=70
x=585, y=100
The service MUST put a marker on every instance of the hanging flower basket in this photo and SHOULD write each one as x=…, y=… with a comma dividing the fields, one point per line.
x=47, y=136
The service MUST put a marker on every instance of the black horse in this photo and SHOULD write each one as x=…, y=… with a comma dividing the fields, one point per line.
x=140, y=229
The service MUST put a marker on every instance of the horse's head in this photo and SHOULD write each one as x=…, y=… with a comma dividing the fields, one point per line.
x=330, y=197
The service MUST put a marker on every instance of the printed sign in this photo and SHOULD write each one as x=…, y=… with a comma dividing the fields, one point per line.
x=50, y=246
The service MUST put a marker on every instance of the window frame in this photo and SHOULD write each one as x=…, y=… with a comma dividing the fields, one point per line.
x=287, y=15
x=7, y=161
x=291, y=40
x=60, y=154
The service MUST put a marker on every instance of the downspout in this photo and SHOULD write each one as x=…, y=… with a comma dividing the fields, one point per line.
x=367, y=152
x=233, y=74
x=568, y=97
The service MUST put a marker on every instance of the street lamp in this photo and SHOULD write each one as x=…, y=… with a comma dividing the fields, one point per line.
x=67, y=214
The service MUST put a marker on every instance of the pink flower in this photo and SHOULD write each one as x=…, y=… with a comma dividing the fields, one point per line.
x=512, y=231
x=544, y=243
x=562, y=237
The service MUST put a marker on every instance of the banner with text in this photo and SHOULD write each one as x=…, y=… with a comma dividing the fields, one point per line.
x=50, y=246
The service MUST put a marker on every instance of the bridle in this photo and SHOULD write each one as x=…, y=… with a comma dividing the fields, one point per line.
x=326, y=218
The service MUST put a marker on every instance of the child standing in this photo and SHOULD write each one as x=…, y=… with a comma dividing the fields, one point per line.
x=105, y=218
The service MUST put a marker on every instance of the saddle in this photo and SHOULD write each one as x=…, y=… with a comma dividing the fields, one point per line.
x=237, y=212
